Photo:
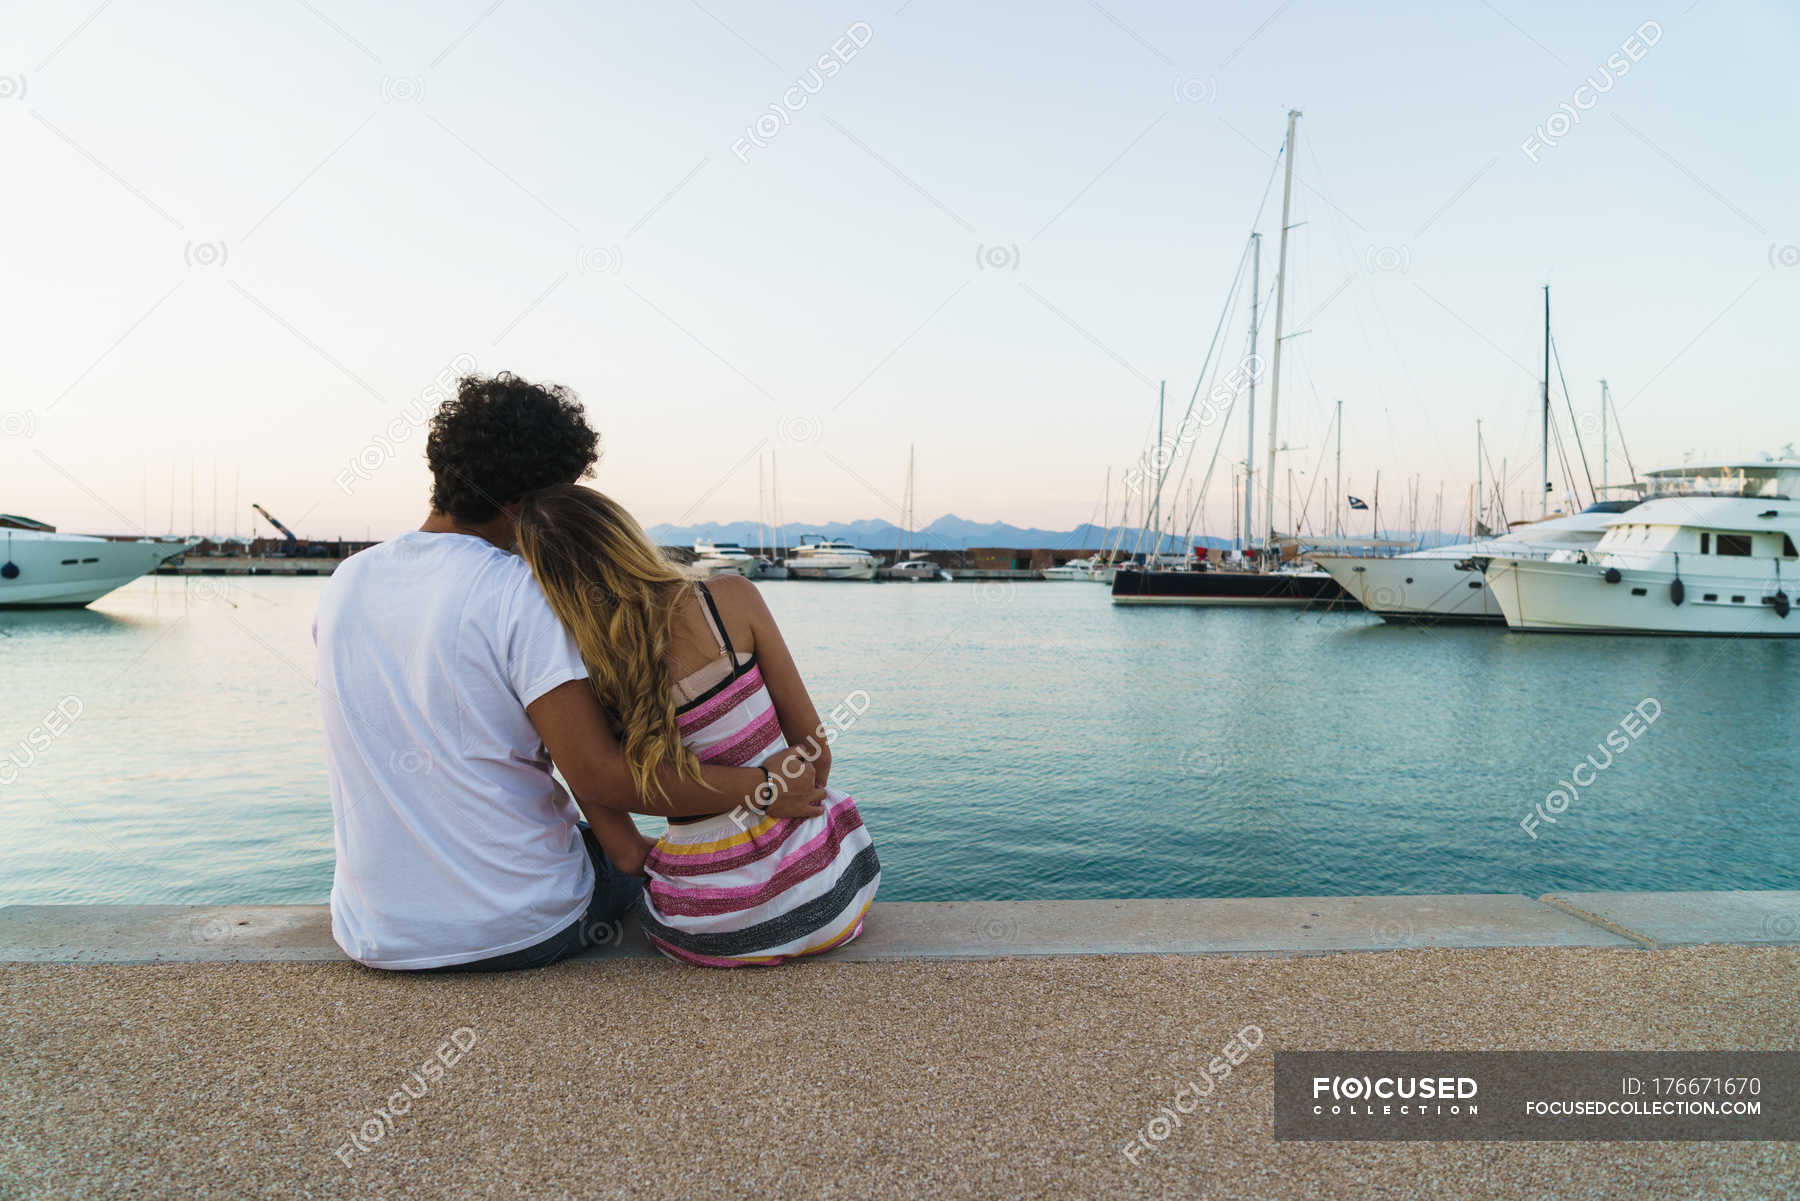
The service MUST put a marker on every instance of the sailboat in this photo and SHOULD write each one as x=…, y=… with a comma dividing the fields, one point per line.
x=1275, y=583
x=768, y=564
x=911, y=564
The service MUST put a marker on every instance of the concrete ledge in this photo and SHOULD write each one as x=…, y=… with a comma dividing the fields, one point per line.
x=1673, y=919
x=1001, y=929
x=1273, y=925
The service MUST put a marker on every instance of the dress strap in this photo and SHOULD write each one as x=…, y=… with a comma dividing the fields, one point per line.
x=718, y=625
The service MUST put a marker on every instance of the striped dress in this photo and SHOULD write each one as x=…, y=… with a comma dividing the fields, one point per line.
x=739, y=888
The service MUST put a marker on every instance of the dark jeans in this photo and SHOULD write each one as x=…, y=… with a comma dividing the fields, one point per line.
x=614, y=896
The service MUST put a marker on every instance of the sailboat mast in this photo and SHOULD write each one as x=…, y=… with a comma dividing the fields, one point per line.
x=909, y=497
x=1603, y=401
x=1287, y=196
x=775, y=502
x=1337, y=477
x=1162, y=470
x=1479, y=509
x=1250, y=450
x=1546, y=493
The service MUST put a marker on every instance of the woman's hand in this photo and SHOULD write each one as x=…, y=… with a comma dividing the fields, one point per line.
x=800, y=792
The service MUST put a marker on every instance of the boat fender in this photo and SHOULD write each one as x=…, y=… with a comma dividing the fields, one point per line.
x=1612, y=575
x=10, y=571
x=1780, y=604
x=1677, y=590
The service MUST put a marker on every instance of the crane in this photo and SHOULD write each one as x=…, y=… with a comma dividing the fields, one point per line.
x=290, y=548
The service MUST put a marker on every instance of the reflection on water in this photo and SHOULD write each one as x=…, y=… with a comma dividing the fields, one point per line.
x=1022, y=742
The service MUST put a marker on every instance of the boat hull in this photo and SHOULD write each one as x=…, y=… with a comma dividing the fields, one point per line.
x=846, y=572
x=1228, y=588
x=1404, y=589
x=1574, y=598
x=67, y=573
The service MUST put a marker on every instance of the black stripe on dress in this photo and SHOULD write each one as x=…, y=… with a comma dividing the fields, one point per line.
x=806, y=919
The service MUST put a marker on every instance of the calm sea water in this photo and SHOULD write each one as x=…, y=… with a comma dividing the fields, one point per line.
x=1018, y=741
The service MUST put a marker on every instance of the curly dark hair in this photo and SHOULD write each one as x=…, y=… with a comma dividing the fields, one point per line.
x=502, y=438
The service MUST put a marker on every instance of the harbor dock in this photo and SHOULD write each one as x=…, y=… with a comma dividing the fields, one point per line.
x=958, y=1050
x=276, y=565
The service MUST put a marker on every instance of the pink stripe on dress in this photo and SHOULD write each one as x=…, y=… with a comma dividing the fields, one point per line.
x=747, y=745
x=734, y=694
x=706, y=901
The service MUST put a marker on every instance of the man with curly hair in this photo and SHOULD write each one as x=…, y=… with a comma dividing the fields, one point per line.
x=448, y=691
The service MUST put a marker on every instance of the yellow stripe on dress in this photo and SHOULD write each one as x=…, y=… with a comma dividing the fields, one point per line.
x=842, y=935
x=723, y=844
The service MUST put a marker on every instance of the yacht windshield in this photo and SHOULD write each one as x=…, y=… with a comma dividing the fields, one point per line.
x=1765, y=483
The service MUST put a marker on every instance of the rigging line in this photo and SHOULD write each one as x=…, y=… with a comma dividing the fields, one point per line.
x=1256, y=220
x=1499, y=485
x=1206, y=482
x=1556, y=354
x=1562, y=460
x=1200, y=382
x=1620, y=427
x=1224, y=426
x=1306, y=501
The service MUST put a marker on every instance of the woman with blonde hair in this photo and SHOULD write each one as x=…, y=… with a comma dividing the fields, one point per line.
x=691, y=673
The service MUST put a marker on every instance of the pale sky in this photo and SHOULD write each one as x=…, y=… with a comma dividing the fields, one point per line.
x=990, y=232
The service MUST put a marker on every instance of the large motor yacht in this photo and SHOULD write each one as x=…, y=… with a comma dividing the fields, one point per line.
x=722, y=558
x=827, y=559
x=1442, y=584
x=42, y=569
x=1711, y=550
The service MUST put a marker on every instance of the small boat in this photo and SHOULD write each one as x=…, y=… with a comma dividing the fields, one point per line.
x=42, y=569
x=1714, y=549
x=910, y=564
x=766, y=568
x=917, y=568
x=721, y=558
x=830, y=559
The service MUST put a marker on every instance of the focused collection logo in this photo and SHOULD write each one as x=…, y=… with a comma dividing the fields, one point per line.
x=1394, y=1096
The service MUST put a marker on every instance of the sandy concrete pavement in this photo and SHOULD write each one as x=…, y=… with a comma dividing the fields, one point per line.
x=1001, y=1078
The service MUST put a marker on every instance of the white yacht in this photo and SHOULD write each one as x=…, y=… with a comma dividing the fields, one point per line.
x=721, y=558
x=917, y=568
x=40, y=568
x=829, y=559
x=1442, y=583
x=1084, y=570
x=1711, y=550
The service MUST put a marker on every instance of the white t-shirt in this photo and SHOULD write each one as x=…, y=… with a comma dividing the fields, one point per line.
x=454, y=842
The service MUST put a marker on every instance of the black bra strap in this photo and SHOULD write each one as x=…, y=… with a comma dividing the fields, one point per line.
x=718, y=625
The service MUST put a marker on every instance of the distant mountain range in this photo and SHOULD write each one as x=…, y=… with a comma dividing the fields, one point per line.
x=949, y=532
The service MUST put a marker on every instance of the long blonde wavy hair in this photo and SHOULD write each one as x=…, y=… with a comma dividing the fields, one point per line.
x=616, y=593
